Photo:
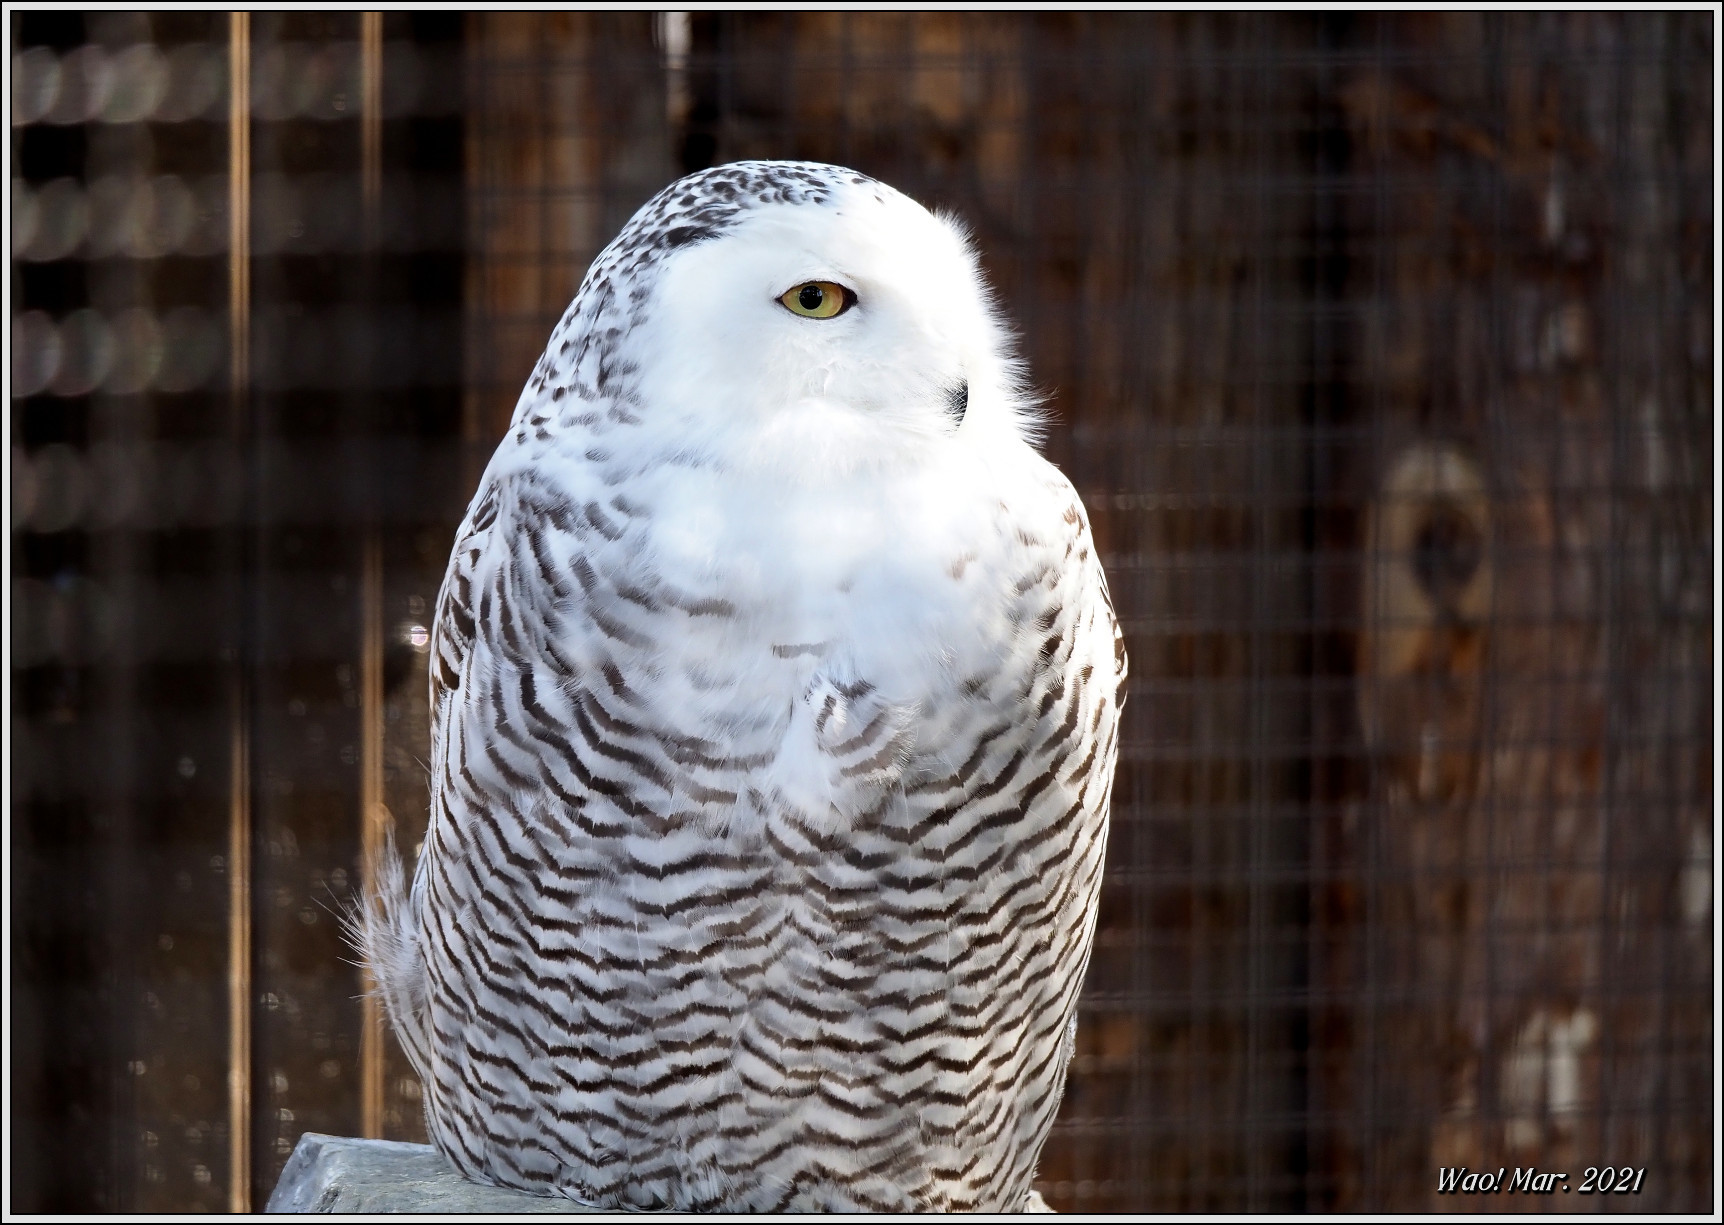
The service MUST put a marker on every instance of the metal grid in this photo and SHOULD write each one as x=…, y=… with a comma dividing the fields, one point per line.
x=1380, y=349
x=236, y=405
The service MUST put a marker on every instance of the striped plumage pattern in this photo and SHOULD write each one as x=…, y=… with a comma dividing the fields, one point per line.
x=769, y=807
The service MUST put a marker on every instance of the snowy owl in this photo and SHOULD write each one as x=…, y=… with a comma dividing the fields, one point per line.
x=775, y=691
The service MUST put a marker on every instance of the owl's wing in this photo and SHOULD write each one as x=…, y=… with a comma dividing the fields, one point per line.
x=452, y=633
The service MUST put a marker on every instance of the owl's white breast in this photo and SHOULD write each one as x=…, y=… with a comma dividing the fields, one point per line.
x=898, y=574
x=899, y=577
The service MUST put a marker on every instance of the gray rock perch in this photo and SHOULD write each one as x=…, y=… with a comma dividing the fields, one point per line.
x=339, y=1174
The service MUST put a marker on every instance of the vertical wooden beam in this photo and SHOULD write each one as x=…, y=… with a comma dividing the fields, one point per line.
x=374, y=817
x=371, y=117
x=239, y=763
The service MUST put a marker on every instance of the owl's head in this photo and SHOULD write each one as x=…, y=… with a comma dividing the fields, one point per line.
x=803, y=312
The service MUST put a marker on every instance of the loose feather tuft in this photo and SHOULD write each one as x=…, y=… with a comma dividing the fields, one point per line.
x=381, y=928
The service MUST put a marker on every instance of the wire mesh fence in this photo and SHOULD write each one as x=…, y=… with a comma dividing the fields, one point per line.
x=1379, y=347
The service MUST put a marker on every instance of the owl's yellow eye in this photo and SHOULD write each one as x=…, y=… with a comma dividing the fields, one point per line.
x=818, y=299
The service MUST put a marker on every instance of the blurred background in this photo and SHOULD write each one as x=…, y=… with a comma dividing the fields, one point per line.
x=1379, y=346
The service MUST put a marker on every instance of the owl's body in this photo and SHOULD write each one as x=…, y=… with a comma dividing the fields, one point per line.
x=775, y=691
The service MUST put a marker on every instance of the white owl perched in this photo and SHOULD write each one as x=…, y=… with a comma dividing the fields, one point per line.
x=775, y=692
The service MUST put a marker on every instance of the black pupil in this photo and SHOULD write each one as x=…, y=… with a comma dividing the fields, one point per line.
x=811, y=297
